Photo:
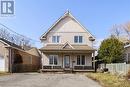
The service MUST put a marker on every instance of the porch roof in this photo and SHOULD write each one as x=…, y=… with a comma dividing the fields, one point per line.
x=67, y=47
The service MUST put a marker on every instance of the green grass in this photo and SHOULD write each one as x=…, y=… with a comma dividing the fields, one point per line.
x=108, y=80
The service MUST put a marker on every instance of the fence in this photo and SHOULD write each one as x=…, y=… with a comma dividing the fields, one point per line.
x=25, y=68
x=120, y=68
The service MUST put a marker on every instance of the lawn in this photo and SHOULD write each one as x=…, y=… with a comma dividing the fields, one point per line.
x=4, y=73
x=108, y=80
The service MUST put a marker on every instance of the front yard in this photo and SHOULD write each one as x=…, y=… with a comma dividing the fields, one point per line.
x=108, y=80
x=4, y=73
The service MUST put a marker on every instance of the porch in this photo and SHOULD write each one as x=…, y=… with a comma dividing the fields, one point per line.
x=67, y=62
x=67, y=58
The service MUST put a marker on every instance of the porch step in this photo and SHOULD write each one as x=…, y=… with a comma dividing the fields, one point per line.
x=68, y=70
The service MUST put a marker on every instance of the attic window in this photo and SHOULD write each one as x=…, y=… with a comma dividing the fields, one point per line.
x=55, y=39
x=78, y=39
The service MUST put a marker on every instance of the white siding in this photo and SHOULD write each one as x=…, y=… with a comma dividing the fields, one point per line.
x=67, y=29
x=2, y=64
x=88, y=58
x=3, y=57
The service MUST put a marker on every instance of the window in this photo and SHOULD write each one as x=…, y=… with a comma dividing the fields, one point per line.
x=78, y=39
x=83, y=60
x=55, y=39
x=53, y=59
x=80, y=59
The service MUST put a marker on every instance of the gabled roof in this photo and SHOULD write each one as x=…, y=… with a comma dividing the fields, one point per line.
x=34, y=51
x=67, y=46
x=9, y=43
x=67, y=13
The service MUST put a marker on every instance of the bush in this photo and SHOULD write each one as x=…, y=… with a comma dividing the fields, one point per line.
x=105, y=69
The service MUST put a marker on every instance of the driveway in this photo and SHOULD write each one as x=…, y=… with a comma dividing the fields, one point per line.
x=46, y=80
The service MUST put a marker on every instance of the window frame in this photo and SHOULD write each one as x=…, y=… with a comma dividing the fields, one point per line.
x=53, y=59
x=78, y=39
x=56, y=39
x=79, y=60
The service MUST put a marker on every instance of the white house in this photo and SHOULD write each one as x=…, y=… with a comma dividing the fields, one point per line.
x=67, y=45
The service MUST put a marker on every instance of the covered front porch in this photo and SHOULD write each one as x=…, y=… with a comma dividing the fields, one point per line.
x=62, y=57
x=68, y=60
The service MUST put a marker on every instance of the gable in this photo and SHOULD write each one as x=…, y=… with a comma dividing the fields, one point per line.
x=66, y=23
x=67, y=46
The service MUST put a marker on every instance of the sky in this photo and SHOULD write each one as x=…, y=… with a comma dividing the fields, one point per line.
x=33, y=17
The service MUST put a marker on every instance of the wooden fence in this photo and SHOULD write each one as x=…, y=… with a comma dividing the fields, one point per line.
x=120, y=68
x=25, y=68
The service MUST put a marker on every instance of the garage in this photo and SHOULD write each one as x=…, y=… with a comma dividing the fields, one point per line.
x=2, y=63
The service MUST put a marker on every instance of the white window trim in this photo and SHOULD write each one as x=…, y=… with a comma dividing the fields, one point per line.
x=78, y=39
x=53, y=60
x=56, y=38
x=80, y=61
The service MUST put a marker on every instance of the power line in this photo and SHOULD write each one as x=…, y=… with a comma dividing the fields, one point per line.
x=18, y=33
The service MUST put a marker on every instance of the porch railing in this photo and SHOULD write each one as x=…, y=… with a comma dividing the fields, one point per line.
x=51, y=67
x=83, y=67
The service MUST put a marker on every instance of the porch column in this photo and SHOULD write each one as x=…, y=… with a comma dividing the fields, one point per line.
x=42, y=60
x=94, y=65
x=62, y=60
x=72, y=61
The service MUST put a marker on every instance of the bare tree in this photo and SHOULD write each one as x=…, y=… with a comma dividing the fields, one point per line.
x=15, y=38
x=120, y=32
x=126, y=27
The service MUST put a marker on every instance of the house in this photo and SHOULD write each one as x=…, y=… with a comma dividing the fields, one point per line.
x=67, y=45
x=127, y=53
x=15, y=59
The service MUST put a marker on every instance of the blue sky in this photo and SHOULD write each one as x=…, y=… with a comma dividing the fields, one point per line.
x=33, y=17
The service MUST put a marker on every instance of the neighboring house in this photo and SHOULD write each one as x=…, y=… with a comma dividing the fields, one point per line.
x=14, y=59
x=67, y=45
x=127, y=53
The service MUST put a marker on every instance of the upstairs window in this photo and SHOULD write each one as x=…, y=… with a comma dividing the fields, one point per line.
x=55, y=39
x=78, y=39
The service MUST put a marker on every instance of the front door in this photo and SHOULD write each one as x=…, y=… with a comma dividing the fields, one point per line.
x=66, y=61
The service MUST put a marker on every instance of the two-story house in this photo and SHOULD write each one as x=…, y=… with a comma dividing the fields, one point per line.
x=67, y=45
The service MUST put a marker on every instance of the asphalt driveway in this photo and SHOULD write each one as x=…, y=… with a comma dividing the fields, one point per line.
x=46, y=80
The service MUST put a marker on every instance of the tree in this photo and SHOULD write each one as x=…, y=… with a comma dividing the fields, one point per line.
x=126, y=27
x=15, y=38
x=111, y=50
x=120, y=32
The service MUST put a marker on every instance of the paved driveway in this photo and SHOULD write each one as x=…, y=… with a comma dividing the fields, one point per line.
x=46, y=80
